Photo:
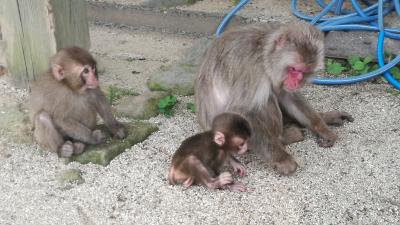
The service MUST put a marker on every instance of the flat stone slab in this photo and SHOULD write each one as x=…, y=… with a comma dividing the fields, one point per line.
x=102, y=154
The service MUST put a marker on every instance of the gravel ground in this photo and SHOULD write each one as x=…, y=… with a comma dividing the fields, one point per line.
x=357, y=181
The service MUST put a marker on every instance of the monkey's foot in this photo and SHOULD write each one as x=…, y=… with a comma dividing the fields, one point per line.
x=224, y=179
x=327, y=140
x=67, y=149
x=237, y=187
x=188, y=182
x=336, y=118
x=292, y=135
x=286, y=166
x=78, y=147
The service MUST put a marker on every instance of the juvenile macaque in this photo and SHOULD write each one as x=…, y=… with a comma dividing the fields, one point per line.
x=255, y=71
x=64, y=104
x=200, y=157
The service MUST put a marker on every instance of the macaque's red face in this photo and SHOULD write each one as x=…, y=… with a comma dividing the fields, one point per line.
x=295, y=77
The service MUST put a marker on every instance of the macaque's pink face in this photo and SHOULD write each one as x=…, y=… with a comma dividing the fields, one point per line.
x=241, y=144
x=295, y=77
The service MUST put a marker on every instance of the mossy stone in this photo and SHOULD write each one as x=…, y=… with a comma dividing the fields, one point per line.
x=70, y=176
x=102, y=154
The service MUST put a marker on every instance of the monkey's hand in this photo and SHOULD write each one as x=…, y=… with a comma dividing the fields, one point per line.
x=99, y=136
x=117, y=129
x=326, y=139
x=336, y=118
x=236, y=187
x=238, y=168
x=120, y=132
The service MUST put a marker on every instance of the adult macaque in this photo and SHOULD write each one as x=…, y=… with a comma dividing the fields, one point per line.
x=64, y=104
x=255, y=71
x=200, y=157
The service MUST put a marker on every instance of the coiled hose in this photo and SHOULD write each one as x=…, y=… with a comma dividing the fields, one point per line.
x=368, y=19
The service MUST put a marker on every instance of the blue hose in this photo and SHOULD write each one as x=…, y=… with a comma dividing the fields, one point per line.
x=368, y=19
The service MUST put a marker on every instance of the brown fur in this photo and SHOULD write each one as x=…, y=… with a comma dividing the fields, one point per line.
x=62, y=111
x=244, y=71
x=199, y=159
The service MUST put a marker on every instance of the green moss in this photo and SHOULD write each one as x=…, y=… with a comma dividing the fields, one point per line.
x=154, y=86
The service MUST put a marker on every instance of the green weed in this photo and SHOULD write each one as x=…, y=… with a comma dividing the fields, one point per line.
x=191, y=107
x=334, y=67
x=114, y=93
x=166, y=104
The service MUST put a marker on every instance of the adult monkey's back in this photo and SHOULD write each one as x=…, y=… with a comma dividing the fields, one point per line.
x=255, y=71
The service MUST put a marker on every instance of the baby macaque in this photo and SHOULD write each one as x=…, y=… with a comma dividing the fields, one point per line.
x=64, y=104
x=200, y=157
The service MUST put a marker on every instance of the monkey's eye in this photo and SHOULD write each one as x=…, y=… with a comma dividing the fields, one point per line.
x=85, y=70
x=242, y=144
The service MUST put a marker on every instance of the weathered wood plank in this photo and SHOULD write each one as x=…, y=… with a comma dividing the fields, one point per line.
x=71, y=23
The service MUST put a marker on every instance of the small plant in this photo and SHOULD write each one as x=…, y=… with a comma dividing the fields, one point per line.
x=111, y=95
x=114, y=93
x=166, y=104
x=191, y=107
x=356, y=65
x=393, y=91
x=334, y=67
x=359, y=65
x=395, y=71
x=235, y=2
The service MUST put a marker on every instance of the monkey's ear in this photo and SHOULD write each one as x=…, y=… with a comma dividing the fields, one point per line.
x=57, y=71
x=280, y=40
x=219, y=138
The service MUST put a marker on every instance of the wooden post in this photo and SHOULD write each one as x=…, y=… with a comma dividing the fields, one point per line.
x=34, y=30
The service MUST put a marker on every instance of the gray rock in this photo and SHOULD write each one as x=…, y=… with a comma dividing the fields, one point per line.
x=194, y=54
x=70, y=176
x=140, y=107
x=179, y=78
x=102, y=154
x=168, y=3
